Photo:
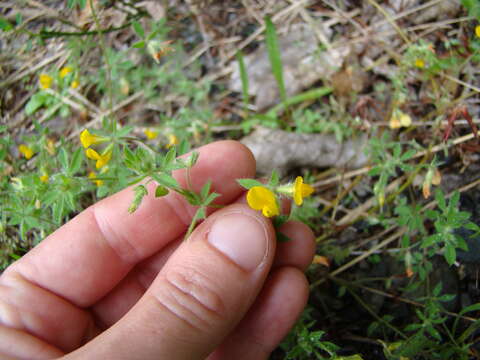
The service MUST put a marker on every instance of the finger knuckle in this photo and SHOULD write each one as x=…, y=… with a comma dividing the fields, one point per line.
x=193, y=297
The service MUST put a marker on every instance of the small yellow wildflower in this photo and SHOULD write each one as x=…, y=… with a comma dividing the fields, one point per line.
x=26, y=151
x=150, y=134
x=420, y=63
x=399, y=119
x=51, y=147
x=261, y=198
x=301, y=190
x=65, y=71
x=75, y=84
x=172, y=140
x=102, y=160
x=44, y=178
x=92, y=176
x=87, y=139
x=45, y=81
x=477, y=31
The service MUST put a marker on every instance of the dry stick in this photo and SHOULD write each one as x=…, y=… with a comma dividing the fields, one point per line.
x=18, y=75
x=99, y=117
x=84, y=101
x=365, y=169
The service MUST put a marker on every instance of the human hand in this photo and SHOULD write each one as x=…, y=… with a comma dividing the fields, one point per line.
x=113, y=285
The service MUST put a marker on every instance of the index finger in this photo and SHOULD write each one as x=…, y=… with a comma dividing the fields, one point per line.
x=84, y=259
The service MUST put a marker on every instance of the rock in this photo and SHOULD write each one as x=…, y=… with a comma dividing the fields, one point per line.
x=282, y=150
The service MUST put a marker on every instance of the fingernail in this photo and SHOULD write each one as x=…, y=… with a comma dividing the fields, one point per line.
x=240, y=237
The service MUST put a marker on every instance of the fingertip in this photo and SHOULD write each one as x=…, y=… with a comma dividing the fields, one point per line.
x=299, y=250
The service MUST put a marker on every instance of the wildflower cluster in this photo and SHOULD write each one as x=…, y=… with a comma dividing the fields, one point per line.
x=65, y=76
x=266, y=197
x=101, y=159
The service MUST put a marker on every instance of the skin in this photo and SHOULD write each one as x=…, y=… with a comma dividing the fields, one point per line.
x=112, y=285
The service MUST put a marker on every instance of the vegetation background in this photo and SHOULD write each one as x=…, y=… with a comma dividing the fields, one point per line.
x=374, y=102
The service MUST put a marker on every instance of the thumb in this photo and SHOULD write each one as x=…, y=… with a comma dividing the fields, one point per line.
x=200, y=295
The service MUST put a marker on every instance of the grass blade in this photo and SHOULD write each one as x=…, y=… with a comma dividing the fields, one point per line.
x=274, y=56
x=244, y=79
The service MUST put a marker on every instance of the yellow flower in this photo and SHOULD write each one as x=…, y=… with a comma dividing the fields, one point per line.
x=301, y=190
x=399, y=119
x=75, y=84
x=420, y=63
x=261, y=198
x=172, y=140
x=477, y=30
x=26, y=151
x=150, y=134
x=87, y=139
x=65, y=71
x=44, y=178
x=45, y=81
x=102, y=160
x=51, y=147
x=92, y=176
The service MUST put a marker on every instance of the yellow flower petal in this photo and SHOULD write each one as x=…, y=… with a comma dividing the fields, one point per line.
x=172, y=140
x=420, y=63
x=261, y=198
x=92, y=154
x=477, y=30
x=26, y=151
x=65, y=71
x=103, y=159
x=92, y=176
x=45, y=81
x=301, y=190
x=75, y=84
x=87, y=139
x=44, y=178
x=150, y=134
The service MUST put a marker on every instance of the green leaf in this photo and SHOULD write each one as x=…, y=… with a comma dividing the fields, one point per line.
x=161, y=191
x=138, y=28
x=169, y=157
x=274, y=178
x=5, y=25
x=205, y=189
x=165, y=180
x=275, y=57
x=76, y=162
x=63, y=158
x=249, y=183
x=139, y=44
x=139, y=193
x=450, y=254
x=35, y=103
x=470, y=308
x=210, y=198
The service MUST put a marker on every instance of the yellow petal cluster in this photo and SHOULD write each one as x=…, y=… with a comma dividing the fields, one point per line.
x=172, y=140
x=45, y=81
x=477, y=31
x=65, y=71
x=92, y=176
x=75, y=83
x=87, y=139
x=400, y=119
x=26, y=151
x=44, y=178
x=261, y=198
x=102, y=160
x=150, y=134
x=420, y=63
x=301, y=191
